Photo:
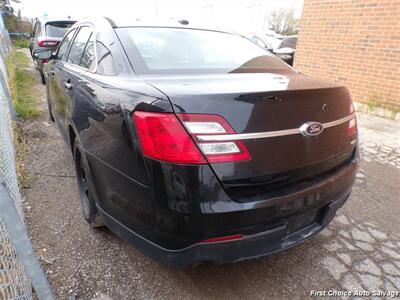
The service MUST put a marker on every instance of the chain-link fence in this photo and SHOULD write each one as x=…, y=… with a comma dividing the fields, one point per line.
x=18, y=263
x=14, y=283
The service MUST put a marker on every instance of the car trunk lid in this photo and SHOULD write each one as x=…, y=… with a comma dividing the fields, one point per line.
x=267, y=111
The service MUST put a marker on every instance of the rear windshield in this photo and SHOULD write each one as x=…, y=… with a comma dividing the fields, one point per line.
x=175, y=51
x=55, y=29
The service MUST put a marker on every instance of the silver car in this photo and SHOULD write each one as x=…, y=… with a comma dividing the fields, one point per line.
x=47, y=33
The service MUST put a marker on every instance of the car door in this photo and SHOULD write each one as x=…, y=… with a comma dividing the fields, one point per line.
x=95, y=113
x=55, y=77
x=68, y=77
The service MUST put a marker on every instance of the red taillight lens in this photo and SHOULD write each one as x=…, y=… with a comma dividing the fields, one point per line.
x=47, y=43
x=352, y=129
x=215, y=152
x=163, y=137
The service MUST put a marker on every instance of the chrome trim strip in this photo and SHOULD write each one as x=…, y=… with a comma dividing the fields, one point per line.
x=268, y=134
x=340, y=121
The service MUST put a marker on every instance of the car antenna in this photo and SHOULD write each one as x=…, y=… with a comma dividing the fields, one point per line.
x=184, y=22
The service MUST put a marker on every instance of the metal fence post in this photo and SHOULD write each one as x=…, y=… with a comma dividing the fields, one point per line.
x=17, y=231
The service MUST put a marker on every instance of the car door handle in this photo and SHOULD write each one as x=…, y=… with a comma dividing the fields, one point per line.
x=68, y=86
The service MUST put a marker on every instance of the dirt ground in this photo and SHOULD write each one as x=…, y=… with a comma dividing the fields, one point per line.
x=360, y=250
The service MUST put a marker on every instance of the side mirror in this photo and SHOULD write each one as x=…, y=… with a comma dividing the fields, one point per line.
x=42, y=53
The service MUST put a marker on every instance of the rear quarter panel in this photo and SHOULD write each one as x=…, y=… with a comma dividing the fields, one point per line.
x=100, y=115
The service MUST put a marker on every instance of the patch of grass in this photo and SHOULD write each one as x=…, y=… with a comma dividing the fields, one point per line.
x=373, y=103
x=392, y=114
x=21, y=43
x=376, y=104
x=22, y=60
x=21, y=150
x=21, y=84
x=24, y=97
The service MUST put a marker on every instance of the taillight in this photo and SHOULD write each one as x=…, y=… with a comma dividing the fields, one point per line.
x=215, y=152
x=352, y=129
x=48, y=43
x=163, y=137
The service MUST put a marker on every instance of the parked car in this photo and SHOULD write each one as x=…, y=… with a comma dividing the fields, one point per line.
x=273, y=41
x=272, y=33
x=287, y=49
x=47, y=33
x=196, y=145
x=273, y=45
x=19, y=35
x=260, y=40
x=289, y=42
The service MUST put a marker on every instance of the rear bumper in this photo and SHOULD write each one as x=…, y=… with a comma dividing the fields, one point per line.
x=252, y=246
x=183, y=219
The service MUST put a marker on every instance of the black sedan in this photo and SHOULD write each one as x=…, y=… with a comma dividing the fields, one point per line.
x=195, y=144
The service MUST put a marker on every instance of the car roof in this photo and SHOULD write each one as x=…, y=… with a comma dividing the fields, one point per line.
x=167, y=23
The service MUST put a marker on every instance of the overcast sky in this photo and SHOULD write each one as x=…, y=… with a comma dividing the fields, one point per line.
x=236, y=14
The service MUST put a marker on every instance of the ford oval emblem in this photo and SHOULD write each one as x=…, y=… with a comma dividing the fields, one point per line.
x=311, y=128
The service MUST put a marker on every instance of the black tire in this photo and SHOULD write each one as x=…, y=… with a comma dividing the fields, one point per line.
x=42, y=77
x=86, y=189
x=51, y=117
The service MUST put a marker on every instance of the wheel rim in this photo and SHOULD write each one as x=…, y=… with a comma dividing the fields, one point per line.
x=83, y=188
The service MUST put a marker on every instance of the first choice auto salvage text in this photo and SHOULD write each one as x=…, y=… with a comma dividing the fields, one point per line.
x=356, y=293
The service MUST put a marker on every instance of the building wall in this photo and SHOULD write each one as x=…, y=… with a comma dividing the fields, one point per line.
x=356, y=43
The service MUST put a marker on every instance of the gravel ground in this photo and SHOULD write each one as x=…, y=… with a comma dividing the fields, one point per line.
x=360, y=250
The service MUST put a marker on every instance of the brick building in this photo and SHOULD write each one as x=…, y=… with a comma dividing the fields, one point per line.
x=356, y=43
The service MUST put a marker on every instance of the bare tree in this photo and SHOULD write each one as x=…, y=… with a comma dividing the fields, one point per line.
x=283, y=21
x=5, y=7
x=2, y=5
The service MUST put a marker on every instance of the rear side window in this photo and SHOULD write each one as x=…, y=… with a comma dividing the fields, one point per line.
x=58, y=30
x=105, y=61
x=79, y=45
x=63, y=48
x=88, y=58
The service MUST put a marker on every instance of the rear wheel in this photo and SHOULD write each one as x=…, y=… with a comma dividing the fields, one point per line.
x=86, y=189
x=51, y=117
x=42, y=77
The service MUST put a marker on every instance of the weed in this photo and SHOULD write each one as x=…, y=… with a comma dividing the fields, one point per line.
x=21, y=150
x=21, y=43
x=24, y=97
x=392, y=114
x=373, y=103
x=21, y=82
